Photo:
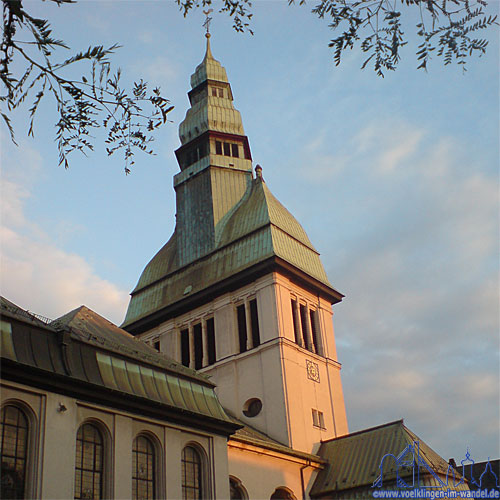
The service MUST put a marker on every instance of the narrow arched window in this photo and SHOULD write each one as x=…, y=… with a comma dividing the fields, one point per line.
x=143, y=469
x=282, y=494
x=236, y=490
x=192, y=480
x=14, y=432
x=89, y=466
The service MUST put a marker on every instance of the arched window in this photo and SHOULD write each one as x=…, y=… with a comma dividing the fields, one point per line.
x=14, y=433
x=236, y=490
x=89, y=466
x=143, y=469
x=282, y=494
x=192, y=474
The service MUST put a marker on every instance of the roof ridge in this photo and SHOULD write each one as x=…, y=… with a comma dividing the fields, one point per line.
x=94, y=314
x=268, y=194
x=293, y=237
x=15, y=310
x=363, y=431
x=425, y=450
x=67, y=317
x=140, y=352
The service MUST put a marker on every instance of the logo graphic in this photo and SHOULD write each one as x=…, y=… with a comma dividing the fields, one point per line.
x=410, y=467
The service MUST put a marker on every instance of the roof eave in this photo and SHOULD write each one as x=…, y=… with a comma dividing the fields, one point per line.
x=70, y=386
x=280, y=449
x=231, y=283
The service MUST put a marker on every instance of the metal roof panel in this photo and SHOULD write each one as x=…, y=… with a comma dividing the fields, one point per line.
x=6, y=346
x=354, y=459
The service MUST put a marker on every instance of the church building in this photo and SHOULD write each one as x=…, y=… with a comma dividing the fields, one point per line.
x=222, y=382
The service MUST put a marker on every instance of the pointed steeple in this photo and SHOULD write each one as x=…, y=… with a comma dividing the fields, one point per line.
x=212, y=108
x=208, y=52
x=208, y=69
x=214, y=158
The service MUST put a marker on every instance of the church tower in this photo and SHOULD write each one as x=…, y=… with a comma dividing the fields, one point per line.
x=239, y=292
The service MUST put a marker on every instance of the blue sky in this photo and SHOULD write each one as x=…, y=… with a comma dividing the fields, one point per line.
x=395, y=181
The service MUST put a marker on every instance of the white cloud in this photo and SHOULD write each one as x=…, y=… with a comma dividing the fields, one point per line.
x=161, y=70
x=421, y=279
x=13, y=197
x=404, y=146
x=38, y=275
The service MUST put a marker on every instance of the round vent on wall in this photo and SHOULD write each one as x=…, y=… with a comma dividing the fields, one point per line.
x=252, y=407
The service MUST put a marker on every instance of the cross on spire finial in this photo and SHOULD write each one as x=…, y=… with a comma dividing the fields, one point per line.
x=208, y=19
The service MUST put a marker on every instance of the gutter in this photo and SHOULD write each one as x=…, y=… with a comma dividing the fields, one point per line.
x=302, y=478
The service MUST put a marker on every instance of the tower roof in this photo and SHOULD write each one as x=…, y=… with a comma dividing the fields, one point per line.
x=210, y=110
x=208, y=69
x=258, y=229
x=229, y=226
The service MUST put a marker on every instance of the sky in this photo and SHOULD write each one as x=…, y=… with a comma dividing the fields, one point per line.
x=395, y=180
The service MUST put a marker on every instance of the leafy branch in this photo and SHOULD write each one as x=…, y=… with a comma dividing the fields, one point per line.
x=83, y=105
x=446, y=28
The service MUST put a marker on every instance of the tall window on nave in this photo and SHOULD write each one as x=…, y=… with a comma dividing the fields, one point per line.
x=89, y=464
x=143, y=469
x=14, y=431
x=192, y=474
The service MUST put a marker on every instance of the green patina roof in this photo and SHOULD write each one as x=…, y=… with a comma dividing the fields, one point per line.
x=92, y=328
x=257, y=208
x=354, y=461
x=257, y=228
x=248, y=434
x=98, y=352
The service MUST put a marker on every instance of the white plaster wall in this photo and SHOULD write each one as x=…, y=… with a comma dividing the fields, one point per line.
x=273, y=471
x=59, y=448
x=225, y=321
x=284, y=308
x=285, y=290
x=174, y=444
x=325, y=319
x=255, y=374
x=337, y=400
x=268, y=314
x=122, y=448
x=303, y=394
x=221, y=468
x=223, y=309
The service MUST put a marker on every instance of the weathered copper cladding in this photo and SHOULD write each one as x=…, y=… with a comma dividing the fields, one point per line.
x=84, y=355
